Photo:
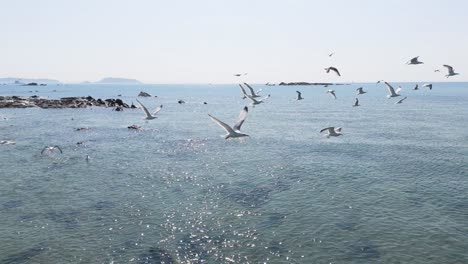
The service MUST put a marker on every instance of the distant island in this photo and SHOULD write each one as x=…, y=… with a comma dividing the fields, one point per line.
x=307, y=83
x=23, y=81
x=112, y=80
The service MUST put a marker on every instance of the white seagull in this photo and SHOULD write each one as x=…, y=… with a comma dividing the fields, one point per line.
x=233, y=132
x=50, y=149
x=254, y=94
x=7, y=142
x=299, y=96
x=414, y=61
x=333, y=69
x=332, y=131
x=257, y=101
x=450, y=71
x=356, y=103
x=401, y=101
x=149, y=116
x=392, y=91
x=360, y=91
x=332, y=93
x=428, y=85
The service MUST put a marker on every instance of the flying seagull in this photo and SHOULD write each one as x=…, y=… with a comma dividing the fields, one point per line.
x=428, y=85
x=356, y=103
x=239, y=74
x=333, y=69
x=233, y=132
x=392, y=91
x=252, y=92
x=244, y=93
x=332, y=131
x=360, y=91
x=257, y=101
x=401, y=101
x=450, y=71
x=331, y=54
x=436, y=70
x=299, y=96
x=414, y=61
x=149, y=116
x=416, y=87
x=332, y=93
x=50, y=149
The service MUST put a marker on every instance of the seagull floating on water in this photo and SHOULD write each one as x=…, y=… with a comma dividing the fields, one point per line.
x=392, y=91
x=149, y=116
x=332, y=131
x=299, y=96
x=356, y=103
x=332, y=93
x=360, y=91
x=333, y=69
x=428, y=85
x=181, y=101
x=401, y=101
x=233, y=132
x=450, y=71
x=414, y=61
x=50, y=149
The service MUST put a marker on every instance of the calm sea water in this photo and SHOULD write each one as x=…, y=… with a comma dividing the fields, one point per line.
x=393, y=189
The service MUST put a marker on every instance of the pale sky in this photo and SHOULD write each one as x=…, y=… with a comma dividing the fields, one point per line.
x=207, y=41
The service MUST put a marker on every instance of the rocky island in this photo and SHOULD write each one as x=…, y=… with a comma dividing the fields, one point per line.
x=66, y=102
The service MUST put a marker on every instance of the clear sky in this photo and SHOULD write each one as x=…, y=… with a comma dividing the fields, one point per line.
x=207, y=41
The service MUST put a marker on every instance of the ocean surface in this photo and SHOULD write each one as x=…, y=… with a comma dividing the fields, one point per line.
x=392, y=189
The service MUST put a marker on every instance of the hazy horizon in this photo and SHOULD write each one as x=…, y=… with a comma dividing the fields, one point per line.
x=208, y=41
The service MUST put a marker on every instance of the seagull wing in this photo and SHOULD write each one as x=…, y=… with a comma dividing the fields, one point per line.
x=356, y=102
x=299, y=95
x=390, y=88
x=398, y=90
x=336, y=71
x=59, y=149
x=241, y=119
x=252, y=99
x=243, y=90
x=330, y=129
x=251, y=89
x=450, y=68
x=144, y=109
x=44, y=150
x=222, y=124
x=338, y=129
x=157, y=109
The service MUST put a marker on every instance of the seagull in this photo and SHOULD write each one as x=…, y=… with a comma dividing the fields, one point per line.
x=244, y=93
x=331, y=54
x=450, y=71
x=333, y=69
x=416, y=87
x=332, y=131
x=360, y=91
x=255, y=101
x=414, y=61
x=392, y=91
x=149, y=116
x=181, y=101
x=299, y=96
x=237, y=74
x=50, y=149
x=332, y=93
x=356, y=103
x=157, y=110
x=254, y=94
x=401, y=101
x=7, y=142
x=428, y=85
x=436, y=70
x=233, y=132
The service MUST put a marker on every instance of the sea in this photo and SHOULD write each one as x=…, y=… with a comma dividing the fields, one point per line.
x=392, y=189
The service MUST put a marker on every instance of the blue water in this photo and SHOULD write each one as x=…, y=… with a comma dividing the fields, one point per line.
x=392, y=189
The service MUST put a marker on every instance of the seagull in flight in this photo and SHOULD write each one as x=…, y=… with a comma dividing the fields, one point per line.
x=428, y=85
x=414, y=61
x=392, y=91
x=356, y=103
x=233, y=132
x=257, y=101
x=436, y=70
x=149, y=116
x=360, y=91
x=252, y=92
x=332, y=131
x=299, y=96
x=332, y=93
x=401, y=101
x=239, y=74
x=331, y=54
x=416, y=87
x=333, y=69
x=50, y=149
x=450, y=71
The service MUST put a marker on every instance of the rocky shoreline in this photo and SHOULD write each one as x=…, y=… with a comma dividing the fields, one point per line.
x=66, y=102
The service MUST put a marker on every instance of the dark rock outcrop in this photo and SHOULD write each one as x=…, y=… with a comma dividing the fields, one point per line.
x=65, y=102
x=144, y=94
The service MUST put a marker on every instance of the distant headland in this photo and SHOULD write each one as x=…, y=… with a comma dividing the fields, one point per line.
x=113, y=80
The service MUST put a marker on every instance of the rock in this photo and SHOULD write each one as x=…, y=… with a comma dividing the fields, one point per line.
x=144, y=94
x=31, y=84
x=65, y=102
